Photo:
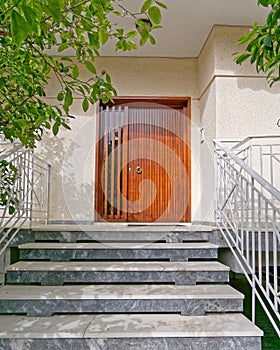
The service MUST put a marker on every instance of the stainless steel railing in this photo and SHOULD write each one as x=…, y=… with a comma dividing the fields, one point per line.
x=248, y=215
x=24, y=190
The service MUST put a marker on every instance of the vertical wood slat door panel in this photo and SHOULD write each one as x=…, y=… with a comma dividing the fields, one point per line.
x=112, y=161
x=155, y=139
x=124, y=164
x=106, y=166
x=119, y=161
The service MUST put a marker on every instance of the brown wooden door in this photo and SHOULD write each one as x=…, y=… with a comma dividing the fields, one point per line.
x=143, y=162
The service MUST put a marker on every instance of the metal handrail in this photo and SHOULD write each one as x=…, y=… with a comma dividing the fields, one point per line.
x=24, y=180
x=248, y=215
x=6, y=153
x=249, y=138
x=249, y=170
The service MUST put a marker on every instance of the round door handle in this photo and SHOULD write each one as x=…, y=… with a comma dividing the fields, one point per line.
x=138, y=170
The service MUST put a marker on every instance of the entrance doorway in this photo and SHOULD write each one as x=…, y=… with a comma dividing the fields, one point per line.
x=143, y=160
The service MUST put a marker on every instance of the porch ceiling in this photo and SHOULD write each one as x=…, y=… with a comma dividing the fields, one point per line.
x=187, y=23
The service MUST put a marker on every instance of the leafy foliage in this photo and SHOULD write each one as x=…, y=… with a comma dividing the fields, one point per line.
x=29, y=27
x=8, y=193
x=264, y=43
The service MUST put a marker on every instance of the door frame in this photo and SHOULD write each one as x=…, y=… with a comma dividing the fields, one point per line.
x=183, y=103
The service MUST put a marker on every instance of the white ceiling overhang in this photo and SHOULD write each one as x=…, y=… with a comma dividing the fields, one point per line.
x=187, y=24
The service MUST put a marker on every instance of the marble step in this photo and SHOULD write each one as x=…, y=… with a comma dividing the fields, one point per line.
x=58, y=273
x=130, y=332
x=118, y=233
x=187, y=300
x=118, y=251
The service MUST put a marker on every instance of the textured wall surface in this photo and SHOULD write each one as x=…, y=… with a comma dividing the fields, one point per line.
x=227, y=101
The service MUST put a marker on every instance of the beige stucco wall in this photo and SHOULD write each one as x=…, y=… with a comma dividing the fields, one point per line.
x=71, y=154
x=235, y=101
x=245, y=102
x=227, y=101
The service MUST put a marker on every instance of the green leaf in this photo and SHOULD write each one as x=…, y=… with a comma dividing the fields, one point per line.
x=19, y=28
x=68, y=100
x=144, y=35
x=11, y=209
x=55, y=128
x=90, y=67
x=131, y=34
x=117, y=13
x=264, y=3
x=242, y=58
x=86, y=26
x=32, y=18
x=54, y=8
x=147, y=4
x=60, y=96
x=65, y=58
x=75, y=72
x=93, y=40
x=254, y=54
x=246, y=37
x=268, y=40
x=65, y=125
x=156, y=27
x=140, y=23
x=108, y=78
x=85, y=104
x=154, y=14
x=62, y=47
x=161, y=4
x=143, y=41
x=103, y=36
x=152, y=40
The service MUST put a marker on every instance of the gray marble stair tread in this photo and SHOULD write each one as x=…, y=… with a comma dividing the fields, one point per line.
x=142, y=246
x=116, y=292
x=81, y=266
x=128, y=326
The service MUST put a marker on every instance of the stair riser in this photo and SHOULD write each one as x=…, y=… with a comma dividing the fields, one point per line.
x=117, y=254
x=207, y=343
x=47, y=307
x=57, y=278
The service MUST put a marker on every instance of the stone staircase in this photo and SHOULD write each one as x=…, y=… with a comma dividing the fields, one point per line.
x=128, y=288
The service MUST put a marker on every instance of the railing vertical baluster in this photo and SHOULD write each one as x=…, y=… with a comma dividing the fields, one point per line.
x=235, y=213
x=31, y=186
x=242, y=217
x=259, y=239
x=247, y=223
x=216, y=183
x=271, y=165
x=266, y=250
x=253, y=247
x=261, y=160
x=275, y=262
